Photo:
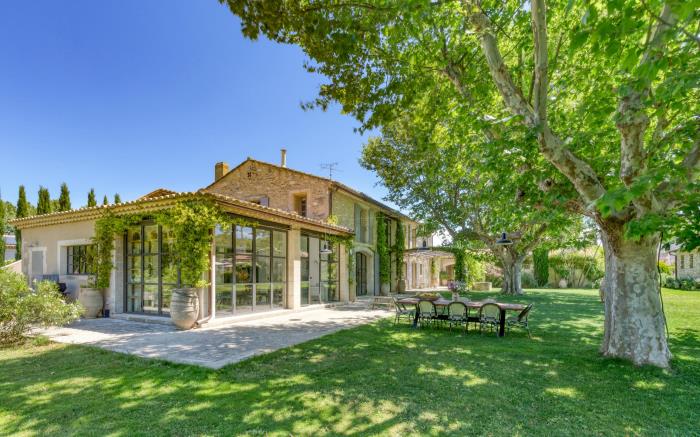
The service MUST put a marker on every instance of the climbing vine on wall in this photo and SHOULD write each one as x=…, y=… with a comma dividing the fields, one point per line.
x=383, y=250
x=399, y=248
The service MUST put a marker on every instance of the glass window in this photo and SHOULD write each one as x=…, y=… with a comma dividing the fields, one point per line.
x=80, y=260
x=279, y=244
x=262, y=242
x=244, y=239
x=329, y=272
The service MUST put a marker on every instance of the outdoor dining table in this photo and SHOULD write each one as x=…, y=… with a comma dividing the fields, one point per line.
x=442, y=302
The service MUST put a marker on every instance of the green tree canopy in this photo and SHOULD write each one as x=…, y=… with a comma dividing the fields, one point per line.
x=91, y=201
x=64, y=198
x=105, y=201
x=607, y=93
x=21, y=211
x=44, y=206
x=117, y=198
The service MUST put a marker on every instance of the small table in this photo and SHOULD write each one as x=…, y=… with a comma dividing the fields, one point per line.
x=442, y=302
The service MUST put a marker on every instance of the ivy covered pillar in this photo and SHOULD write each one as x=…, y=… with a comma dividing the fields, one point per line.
x=344, y=273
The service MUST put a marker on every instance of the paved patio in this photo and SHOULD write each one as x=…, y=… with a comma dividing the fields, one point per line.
x=215, y=346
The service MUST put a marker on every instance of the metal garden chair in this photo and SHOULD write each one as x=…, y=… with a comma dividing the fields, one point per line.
x=520, y=320
x=427, y=312
x=458, y=313
x=489, y=315
x=402, y=311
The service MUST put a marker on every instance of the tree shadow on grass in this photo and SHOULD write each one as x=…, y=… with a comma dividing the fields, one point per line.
x=375, y=379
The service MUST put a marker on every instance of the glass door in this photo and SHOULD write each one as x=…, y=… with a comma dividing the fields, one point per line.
x=361, y=274
x=151, y=272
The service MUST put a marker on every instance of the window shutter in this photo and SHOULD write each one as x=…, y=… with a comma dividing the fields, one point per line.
x=265, y=201
x=358, y=228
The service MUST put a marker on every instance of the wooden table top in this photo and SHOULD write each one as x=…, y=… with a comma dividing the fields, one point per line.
x=469, y=303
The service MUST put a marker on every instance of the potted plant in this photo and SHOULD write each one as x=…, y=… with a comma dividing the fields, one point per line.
x=91, y=298
x=191, y=223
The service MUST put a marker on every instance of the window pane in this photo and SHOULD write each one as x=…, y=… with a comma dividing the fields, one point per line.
x=262, y=270
x=262, y=296
x=133, y=298
x=244, y=239
x=150, y=298
x=224, y=298
x=134, y=269
x=244, y=269
x=244, y=298
x=279, y=243
x=169, y=269
x=223, y=240
x=262, y=242
x=304, y=246
x=279, y=269
x=278, y=294
x=150, y=268
x=135, y=240
x=150, y=242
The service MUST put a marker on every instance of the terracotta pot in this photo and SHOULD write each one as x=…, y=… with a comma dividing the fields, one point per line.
x=562, y=283
x=92, y=301
x=386, y=289
x=184, y=307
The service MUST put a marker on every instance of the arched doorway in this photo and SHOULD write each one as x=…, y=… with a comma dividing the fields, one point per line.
x=360, y=274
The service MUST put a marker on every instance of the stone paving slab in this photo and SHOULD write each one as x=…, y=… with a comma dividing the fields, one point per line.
x=215, y=346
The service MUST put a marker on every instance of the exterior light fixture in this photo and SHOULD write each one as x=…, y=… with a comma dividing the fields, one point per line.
x=504, y=241
x=325, y=250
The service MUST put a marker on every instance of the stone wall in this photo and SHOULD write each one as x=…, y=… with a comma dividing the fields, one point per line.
x=254, y=180
x=684, y=268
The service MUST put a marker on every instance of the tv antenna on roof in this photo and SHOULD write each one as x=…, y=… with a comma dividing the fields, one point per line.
x=331, y=167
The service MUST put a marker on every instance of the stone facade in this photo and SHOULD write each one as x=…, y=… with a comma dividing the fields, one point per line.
x=688, y=265
x=275, y=187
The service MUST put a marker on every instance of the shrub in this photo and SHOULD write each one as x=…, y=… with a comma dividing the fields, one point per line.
x=21, y=308
x=527, y=280
x=687, y=284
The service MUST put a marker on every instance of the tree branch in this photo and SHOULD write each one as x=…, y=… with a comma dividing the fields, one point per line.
x=539, y=30
x=581, y=175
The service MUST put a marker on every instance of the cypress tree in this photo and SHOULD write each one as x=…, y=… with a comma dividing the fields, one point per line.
x=64, y=199
x=91, y=198
x=117, y=198
x=43, y=206
x=105, y=201
x=22, y=211
x=540, y=261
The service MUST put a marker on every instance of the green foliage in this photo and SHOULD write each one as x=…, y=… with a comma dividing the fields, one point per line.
x=688, y=284
x=399, y=249
x=475, y=269
x=528, y=280
x=105, y=201
x=43, y=206
x=540, y=260
x=64, y=198
x=460, y=264
x=21, y=211
x=117, y=198
x=383, y=251
x=579, y=266
x=23, y=308
x=192, y=223
x=665, y=268
x=91, y=198
x=107, y=228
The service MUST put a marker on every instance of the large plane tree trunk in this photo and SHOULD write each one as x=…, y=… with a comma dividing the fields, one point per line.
x=635, y=326
x=512, y=273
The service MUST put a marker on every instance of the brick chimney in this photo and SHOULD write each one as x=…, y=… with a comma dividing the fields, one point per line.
x=283, y=159
x=220, y=169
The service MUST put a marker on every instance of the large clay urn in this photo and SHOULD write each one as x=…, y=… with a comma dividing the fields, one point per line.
x=184, y=307
x=92, y=301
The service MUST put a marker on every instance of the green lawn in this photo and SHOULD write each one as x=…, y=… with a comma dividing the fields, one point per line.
x=376, y=379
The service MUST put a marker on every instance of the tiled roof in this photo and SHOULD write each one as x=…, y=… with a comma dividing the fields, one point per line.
x=154, y=203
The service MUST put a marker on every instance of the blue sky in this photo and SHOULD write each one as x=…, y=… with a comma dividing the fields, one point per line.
x=131, y=95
